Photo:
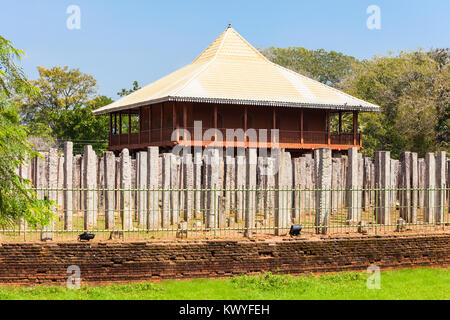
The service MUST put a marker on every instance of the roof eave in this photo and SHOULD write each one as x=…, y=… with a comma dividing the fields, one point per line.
x=344, y=107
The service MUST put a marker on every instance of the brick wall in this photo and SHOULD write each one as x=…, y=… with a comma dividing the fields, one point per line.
x=34, y=263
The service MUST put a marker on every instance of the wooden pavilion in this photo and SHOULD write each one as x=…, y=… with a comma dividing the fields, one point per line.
x=232, y=85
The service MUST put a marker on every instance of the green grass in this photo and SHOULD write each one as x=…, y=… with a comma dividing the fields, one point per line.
x=416, y=283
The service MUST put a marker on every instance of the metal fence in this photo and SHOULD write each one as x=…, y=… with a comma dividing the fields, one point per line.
x=169, y=214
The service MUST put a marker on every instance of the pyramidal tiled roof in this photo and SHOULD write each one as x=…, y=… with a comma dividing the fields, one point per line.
x=232, y=71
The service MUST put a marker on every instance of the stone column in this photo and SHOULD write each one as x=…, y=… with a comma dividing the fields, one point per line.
x=125, y=185
x=90, y=186
x=166, y=167
x=240, y=185
x=261, y=182
x=296, y=163
x=250, y=212
x=60, y=185
x=188, y=185
x=353, y=187
x=422, y=169
x=283, y=197
x=383, y=184
x=414, y=187
x=230, y=194
x=336, y=184
x=213, y=184
x=405, y=186
x=441, y=162
x=198, y=184
x=323, y=186
x=270, y=185
x=367, y=183
x=141, y=181
x=110, y=176
x=52, y=169
x=175, y=186
x=68, y=179
x=153, y=218
x=430, y=185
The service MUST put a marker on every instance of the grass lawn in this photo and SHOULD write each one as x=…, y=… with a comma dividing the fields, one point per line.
x=416, y=283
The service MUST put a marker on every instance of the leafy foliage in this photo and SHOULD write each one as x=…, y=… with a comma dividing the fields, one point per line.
x=327, y=67
x=63, y=108
x=412, y=89
x=124, y=92
x=17, y=201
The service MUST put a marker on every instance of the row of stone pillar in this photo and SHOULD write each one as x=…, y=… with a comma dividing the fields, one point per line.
x=153, y=208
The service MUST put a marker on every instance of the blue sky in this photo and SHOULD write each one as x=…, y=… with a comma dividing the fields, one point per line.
x=122, y=41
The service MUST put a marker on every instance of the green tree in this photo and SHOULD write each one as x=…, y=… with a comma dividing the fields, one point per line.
x=328, y=67
x=412, y=89
x=17, y=200
x=63, y=108
x=124, y=92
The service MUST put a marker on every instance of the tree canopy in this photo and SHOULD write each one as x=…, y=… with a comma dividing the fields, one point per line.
x=412, y=89
x=63, y=108
x=328, y=67
x=17, y=201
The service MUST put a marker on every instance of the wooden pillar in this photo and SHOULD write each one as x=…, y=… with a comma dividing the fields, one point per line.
x=174, y=120
x=162, y=123
x=340, y=122
x=140, y=124
x=328, y=128
x=129, y=127
x=274, y=119
x=149, y=124
x=185, y=116
x=120, y=122
x=245, y=125
x=215, y=122
x=355, y=126
x=115, y=123
x=301, y=126
x=110, y=127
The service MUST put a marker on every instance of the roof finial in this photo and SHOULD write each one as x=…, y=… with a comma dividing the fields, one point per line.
x=229, y=26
